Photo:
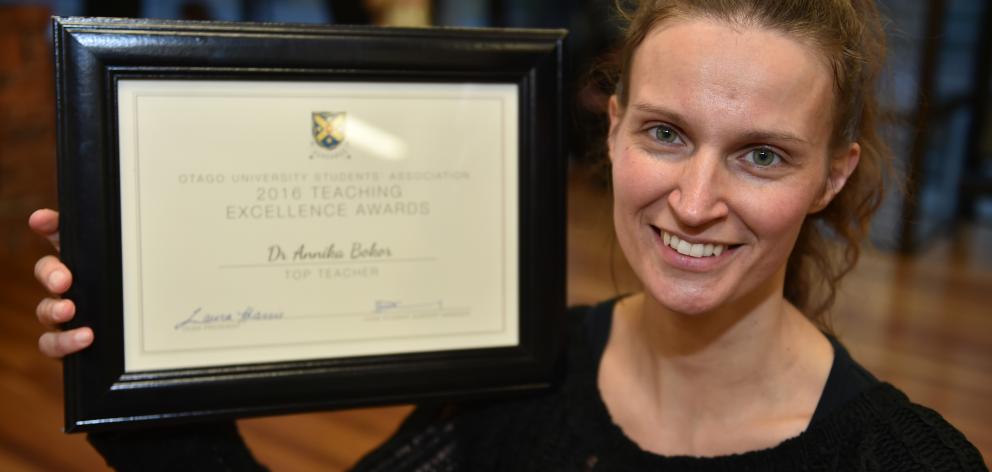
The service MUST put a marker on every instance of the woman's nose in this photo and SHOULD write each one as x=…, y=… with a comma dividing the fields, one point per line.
x=698, y=196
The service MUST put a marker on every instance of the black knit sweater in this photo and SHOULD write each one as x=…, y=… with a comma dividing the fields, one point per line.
x=860, y=424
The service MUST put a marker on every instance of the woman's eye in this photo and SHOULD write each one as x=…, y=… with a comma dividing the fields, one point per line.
x=763, y=157
x=666, y=134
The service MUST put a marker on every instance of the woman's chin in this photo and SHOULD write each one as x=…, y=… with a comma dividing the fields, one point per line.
x=688, y=304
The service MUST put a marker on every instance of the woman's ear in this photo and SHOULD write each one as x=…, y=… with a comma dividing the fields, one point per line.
x=614, y=112
x=841, y=167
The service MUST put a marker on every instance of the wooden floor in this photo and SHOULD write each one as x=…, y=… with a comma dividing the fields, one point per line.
x=923, y=323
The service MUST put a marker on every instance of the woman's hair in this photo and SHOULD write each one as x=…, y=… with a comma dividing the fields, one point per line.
x=850, y=36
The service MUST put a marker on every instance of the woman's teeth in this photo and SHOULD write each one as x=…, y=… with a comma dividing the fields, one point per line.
x=689, y=249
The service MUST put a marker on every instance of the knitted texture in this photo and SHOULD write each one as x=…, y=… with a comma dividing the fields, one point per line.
x=196, y=447
x=879, y=431
x=569, y=428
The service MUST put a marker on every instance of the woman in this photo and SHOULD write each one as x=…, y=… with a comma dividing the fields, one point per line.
x=739, y=131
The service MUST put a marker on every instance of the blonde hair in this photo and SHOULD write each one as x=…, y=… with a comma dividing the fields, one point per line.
x=850, y=35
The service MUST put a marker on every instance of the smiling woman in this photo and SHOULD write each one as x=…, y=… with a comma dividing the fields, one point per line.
x=718, y=147
x=739, y=133
x=791, y=83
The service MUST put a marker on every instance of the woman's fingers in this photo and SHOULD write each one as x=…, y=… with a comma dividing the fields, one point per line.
x=53, y=311
x=53, y=274
x=56, y=278
x=45, y=222
x=59, y=344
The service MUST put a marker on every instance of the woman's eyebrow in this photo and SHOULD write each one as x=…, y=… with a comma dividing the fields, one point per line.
x=755, y=135
x=763, y=136
x=667, y=114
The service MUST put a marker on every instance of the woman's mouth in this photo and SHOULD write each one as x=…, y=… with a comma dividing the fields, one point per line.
x=693, y=249
x=687, y=248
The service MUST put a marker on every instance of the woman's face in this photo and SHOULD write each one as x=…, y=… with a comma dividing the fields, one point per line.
x=719, y=155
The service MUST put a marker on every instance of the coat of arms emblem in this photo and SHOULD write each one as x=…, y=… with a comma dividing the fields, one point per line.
x=328, y=128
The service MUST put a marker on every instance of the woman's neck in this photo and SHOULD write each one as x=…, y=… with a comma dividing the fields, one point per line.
x=742, y=341
x=681, y=384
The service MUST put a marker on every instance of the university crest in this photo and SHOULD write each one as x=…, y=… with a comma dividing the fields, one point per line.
x=328, y=128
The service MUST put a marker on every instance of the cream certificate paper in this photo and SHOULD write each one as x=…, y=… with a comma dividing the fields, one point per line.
x=274, y=221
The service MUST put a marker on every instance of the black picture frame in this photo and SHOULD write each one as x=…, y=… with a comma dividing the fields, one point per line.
x=92, y=54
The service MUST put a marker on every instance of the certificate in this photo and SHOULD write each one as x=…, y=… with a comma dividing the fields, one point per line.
x=301, y=220
x=263, y=218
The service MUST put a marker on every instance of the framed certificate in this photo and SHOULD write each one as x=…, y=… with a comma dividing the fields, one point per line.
x=278, y=218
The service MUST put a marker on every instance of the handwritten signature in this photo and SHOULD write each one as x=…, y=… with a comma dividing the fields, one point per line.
x=384, y=306
x=249, y=314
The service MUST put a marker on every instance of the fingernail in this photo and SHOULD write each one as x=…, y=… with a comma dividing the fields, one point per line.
x=83, y=336
x=61, y=311
x=56, y=278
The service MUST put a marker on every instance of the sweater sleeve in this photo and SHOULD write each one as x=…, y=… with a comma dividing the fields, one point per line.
x=908, y=436
x=195, y=447
x=934, y=443
x=428, y=440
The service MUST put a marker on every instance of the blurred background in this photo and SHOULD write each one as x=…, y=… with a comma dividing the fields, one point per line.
x=915, y=311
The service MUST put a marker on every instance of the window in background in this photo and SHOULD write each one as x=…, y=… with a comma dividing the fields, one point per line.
x=932, y=93
x=287, y=11
x=56, y=7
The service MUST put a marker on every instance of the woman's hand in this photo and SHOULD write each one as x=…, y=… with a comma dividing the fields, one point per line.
x=56, y=278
